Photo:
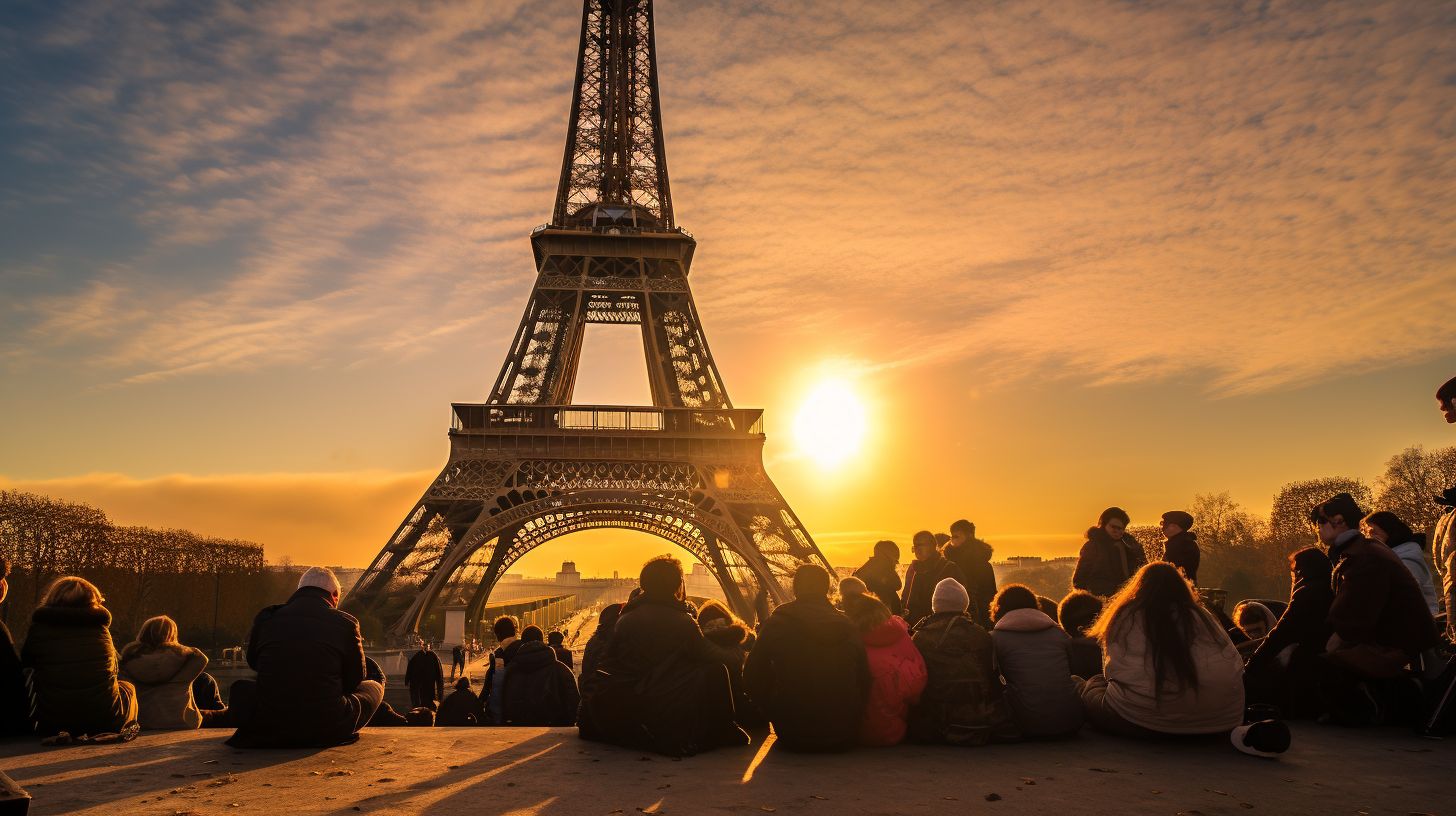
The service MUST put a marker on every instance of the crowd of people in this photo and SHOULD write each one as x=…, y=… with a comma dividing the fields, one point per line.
x=938, y=653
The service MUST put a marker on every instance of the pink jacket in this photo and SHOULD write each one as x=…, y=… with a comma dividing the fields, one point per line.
x=897, y=677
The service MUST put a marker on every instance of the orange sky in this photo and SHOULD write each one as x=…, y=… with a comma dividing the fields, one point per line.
x=1067, y=255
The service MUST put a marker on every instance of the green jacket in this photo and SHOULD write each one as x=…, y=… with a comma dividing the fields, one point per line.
x=76, y=688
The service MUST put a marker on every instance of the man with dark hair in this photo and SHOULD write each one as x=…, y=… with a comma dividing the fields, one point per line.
x=881, y=575
x=808, y=671
x=1076, y=614
x=1109, y=557
x=425, y=678
x=1378, y=615
x=1181, y=547
x=973, y=556
x=668, y=690
x=1443, y=540
x=505, y=628
x=14, y=698
x=457, y=660
x=540, y=690
x=928, y=569
x=556, y=639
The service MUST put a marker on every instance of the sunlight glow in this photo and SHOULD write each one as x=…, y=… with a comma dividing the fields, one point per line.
x=830, y=425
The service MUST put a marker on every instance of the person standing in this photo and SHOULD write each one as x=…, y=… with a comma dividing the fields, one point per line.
x=1181, y=547
x=881, y=575
x=1443, y=540
x=928, y=569
x=505, y=628
x=457, y=660
x=426, y=678
x=808, y=671
x=1109, y=557
x=973, y=556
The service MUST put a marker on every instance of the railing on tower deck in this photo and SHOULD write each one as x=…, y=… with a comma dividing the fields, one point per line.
x=474, y=417
x=617, y=229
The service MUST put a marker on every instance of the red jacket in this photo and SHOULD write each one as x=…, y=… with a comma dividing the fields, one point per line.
x=897, y=677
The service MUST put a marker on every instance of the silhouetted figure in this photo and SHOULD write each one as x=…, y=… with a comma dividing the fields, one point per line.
x=557, y=641
x=881, y=575
x=207, y=696
x=457, y=660
x=728, y=633
x=1170, y=668
x=1387, y=528
x=1076, y=614
x=1181, y=546
x=666, y=689
x=1378, y=615
x=962, y=703
x=425, y=678
x=539, y=689
x=505, y=628
x=973, y=556
x=461, y=708
x=311, y=689
x=15, y=716
x=1032, y=653
x=599, y=642
x=1109, y=557
x=928, y=569
x=70, y=653
x=808, y=670
x=897, y=671
x=1443, y=538
x=163, y=671
x=1285, y=668
x=1254, y=621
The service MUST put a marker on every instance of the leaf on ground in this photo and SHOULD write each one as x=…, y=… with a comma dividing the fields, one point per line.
x=1103, y=770
x=340, y=772
x=993, y=797
x=820, y=798
x=386, y=779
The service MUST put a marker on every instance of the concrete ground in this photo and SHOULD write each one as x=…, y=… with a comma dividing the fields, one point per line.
x=550, y=771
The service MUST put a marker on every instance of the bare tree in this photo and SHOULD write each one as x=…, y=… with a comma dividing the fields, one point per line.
x=1289, y=517
x=1410, y=479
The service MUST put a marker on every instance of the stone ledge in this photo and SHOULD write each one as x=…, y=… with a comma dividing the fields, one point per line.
x=550, y=771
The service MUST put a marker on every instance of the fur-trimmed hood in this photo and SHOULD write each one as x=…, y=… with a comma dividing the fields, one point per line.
x=725, y=633
x=162, y=664
x=78, y=616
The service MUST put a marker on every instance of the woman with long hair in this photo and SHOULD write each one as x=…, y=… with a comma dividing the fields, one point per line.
x=69, y=649
x=163, y=670
x=1168, y=666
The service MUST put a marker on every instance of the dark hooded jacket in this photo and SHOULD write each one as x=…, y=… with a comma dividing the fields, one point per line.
x=963, y=692
x=14, y=697
x=809, y=673
x=1303, y=629
x=461, y=708
x=539, y=689
x=973, y=556
x=920, y=580
x=1377, y=602
x=1105, y=564
x=75, y=672
x=425, y=676
x=734, y=639
x=1182, y=552
x=309, y=658
x=595, y=653
x=882, y=578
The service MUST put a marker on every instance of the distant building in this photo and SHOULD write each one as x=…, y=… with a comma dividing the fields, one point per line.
x=701, y=583
x=568, y=574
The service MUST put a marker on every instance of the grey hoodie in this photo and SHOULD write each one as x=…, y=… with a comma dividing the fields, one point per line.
x=1031, y=653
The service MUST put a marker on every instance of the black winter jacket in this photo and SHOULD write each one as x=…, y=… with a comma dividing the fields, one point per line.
x=882, y=578
x=920, y=580
x=424, y=673
x=974, y=559
x=809, y=674
x=75, y=672
x=14, y=697
x=539, y=689
x=1104, y=564
x=1182, y=552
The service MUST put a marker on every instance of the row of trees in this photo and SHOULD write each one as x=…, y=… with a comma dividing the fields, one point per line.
x=212, y=586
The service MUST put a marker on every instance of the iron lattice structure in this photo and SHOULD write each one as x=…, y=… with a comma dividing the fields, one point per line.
x=527, y=466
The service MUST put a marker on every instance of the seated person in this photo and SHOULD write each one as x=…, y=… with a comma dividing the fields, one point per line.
x=1076, y=613
x=1285, y=668
x=963, y=702
x=1032, y=655
x=557, y=641
x=808, y=670
x=539, y=689
x=311, y=689
x=1255, y=620
x=69, y=650
x=897, y=671
x=462, y=707
x=163, y=671
x=15, y=719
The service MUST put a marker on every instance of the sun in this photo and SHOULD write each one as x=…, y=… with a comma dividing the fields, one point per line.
x=830, y=425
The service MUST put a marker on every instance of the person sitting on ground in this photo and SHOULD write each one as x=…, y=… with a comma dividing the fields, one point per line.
x=897, y=671
x=207, y=696
x=457, y=660
x=973, y=556
x=425, y=678
x=667, y=690
x=1387, y=528
x=508, y=643
x=725, y=630
x=539, y=689
x=15, y=718
x=808, y=671
x=1032, y=655
x=461, y=708
x=599, y=642
x=1181, y=544
x=1170, y=668
x=163, y=670
x=928, y=569
x=557, y=641
x=74, y=665
x=1076, y=614
x=1109, y=557
x=1254, y=620
x=962, y=703
x=1379, y=617
x=311, y=690
x=1047, y=606
x=1284, y=670
x=881, y=575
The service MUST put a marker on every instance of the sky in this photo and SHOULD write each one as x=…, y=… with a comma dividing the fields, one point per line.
x=1063, y=255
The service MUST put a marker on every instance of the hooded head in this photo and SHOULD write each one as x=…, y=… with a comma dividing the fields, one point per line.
x=950, y=596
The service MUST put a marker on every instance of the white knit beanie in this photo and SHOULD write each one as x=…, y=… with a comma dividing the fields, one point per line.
x=320, y=577
x=950, y=596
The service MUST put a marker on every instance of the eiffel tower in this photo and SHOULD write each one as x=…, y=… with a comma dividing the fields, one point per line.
x=528, y=466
